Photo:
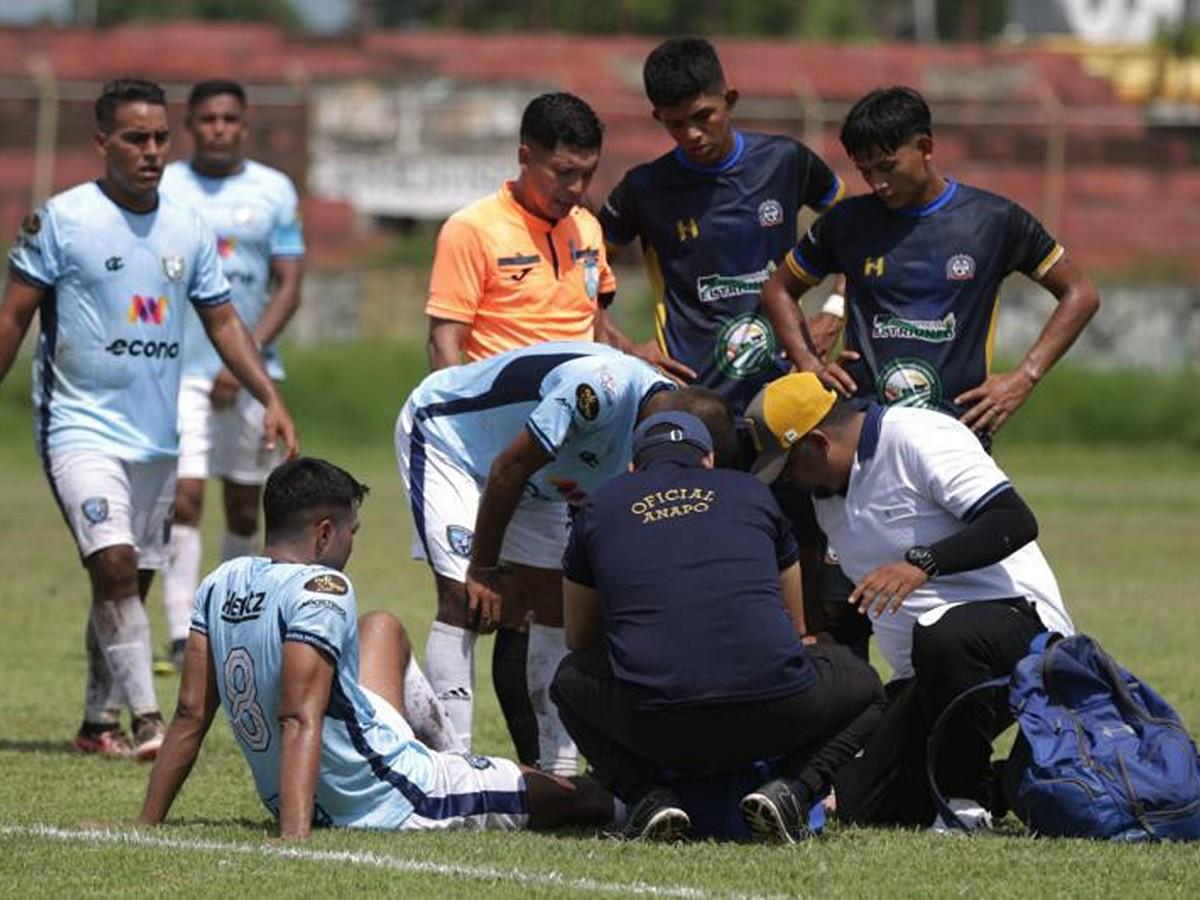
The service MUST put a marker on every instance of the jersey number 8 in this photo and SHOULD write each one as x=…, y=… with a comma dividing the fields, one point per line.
x=249, y=723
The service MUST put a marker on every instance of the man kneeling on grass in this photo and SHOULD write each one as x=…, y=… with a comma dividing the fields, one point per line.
x=321, y=701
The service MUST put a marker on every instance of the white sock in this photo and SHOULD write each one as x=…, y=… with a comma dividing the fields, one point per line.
x=556, y=751
x=235, y=545
x=450, y=665
x=123, y=635
x=426, y=713
x=103, y=703
x=181, y=578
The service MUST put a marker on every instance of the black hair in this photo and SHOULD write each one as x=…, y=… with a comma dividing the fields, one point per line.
x=302, y=490
x=215, y=87
x=711, y=409
x=125, y=90
x=681, y=68
x=561, y=118
x=884, y=120
x=842, y=411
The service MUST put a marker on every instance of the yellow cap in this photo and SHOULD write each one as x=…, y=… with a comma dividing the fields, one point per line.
x=780, y=414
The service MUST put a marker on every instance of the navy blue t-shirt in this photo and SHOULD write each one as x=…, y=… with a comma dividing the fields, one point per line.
x=924, y=287
x=711, y=236
x=687, y=561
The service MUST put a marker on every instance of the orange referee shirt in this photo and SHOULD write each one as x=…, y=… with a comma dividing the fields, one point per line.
x=518, y=279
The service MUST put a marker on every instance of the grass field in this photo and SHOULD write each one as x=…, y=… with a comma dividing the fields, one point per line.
x=1121, y=525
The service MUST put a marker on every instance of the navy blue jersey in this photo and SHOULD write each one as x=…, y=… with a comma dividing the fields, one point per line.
x=687, y=561
x=924, y=286
x=711, y=236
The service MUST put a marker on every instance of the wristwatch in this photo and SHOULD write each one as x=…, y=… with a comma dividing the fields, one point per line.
x=922, y=558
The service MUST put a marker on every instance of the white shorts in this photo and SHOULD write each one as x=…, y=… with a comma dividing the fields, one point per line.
x=444, y=499
x=473, y=793
x=222, y=443
x=109, y=502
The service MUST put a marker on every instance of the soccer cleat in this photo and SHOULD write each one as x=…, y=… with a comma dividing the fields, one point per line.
x=148, y=734
x=774, y=814
x=103, y=740
x=970, y=813
x=657, y=817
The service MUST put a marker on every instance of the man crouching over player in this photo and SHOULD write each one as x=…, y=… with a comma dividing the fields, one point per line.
x=320, y=713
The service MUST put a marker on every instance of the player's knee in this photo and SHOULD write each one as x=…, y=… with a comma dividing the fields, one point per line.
x=113, y=572
x=241, y=509
x=189, y=501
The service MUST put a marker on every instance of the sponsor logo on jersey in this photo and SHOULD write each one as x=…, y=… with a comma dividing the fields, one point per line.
x=147, y=310
x=909, y=382
x=518, y=260
x=960, y=267
x=715, y=288
x=327, y=583
x=687, y=228
x=460, y=540
x=477, y=762
x=31, y=224
x=95, y=510
x=243, y=608
x=146, y=349
x=770, y=213
x=114, y=264
x=931, y=331
x=173, y=267
x=873, y=267
x=587, y=402
x=589, y=459
x=673, y=503
x=226, y=246
x=745, y=346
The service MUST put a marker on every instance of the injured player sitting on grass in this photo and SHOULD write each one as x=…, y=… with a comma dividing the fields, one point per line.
x=335, y=719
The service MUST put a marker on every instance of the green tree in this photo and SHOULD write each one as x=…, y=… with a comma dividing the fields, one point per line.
x=115, y=12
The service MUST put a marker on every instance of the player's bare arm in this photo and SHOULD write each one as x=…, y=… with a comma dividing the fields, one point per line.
x=780, y=301
x=791, y=589
x=286, y=276
x=1002, y=393
x=581, y=615
x=20, y=302
x=305, y=685
x=501, y=494
x=446, y=341
x=825, y=327
x=232, y=339
x=609, y=332
x=194, y=712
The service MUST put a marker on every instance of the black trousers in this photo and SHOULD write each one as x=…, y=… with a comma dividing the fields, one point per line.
x=970, y=643
x=815, y=731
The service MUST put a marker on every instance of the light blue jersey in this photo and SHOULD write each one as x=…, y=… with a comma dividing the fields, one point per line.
x=117, y=283
x=579, y=401
x=254, y=215
x=371, y=774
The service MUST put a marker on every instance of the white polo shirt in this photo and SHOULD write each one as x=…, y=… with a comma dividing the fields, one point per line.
x=919, y=476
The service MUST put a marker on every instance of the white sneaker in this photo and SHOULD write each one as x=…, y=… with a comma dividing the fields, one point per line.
x=973, y=816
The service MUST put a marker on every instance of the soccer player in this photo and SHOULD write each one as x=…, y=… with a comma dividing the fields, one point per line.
x=318, y=698
x=111, y=265
x=252, y=209
x=713, y=216
x=942, y=551
x=491, y=453
x=924, y=257
x=682, y=601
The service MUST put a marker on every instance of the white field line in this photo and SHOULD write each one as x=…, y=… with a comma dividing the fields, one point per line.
x=373, y=860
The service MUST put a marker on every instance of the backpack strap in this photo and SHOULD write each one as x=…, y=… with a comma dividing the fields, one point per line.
x=936, y=735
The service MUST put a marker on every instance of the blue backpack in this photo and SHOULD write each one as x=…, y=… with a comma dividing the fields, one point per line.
x=1108, y=757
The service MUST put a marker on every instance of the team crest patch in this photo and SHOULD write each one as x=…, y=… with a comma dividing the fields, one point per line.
x=460, y=540
x=95, y=510
x=770, y=214
x=909, y=382
x=31, y=224
x=327, y=583
x=477, y=762
x=745, y=346
x=960, y=267
x=587, y=402
x=173, y=267
x=591, y=277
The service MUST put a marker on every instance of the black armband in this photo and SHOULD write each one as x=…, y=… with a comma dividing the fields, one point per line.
x=998, y=529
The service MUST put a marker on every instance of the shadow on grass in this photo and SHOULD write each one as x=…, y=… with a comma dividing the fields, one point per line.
x=37, y=747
